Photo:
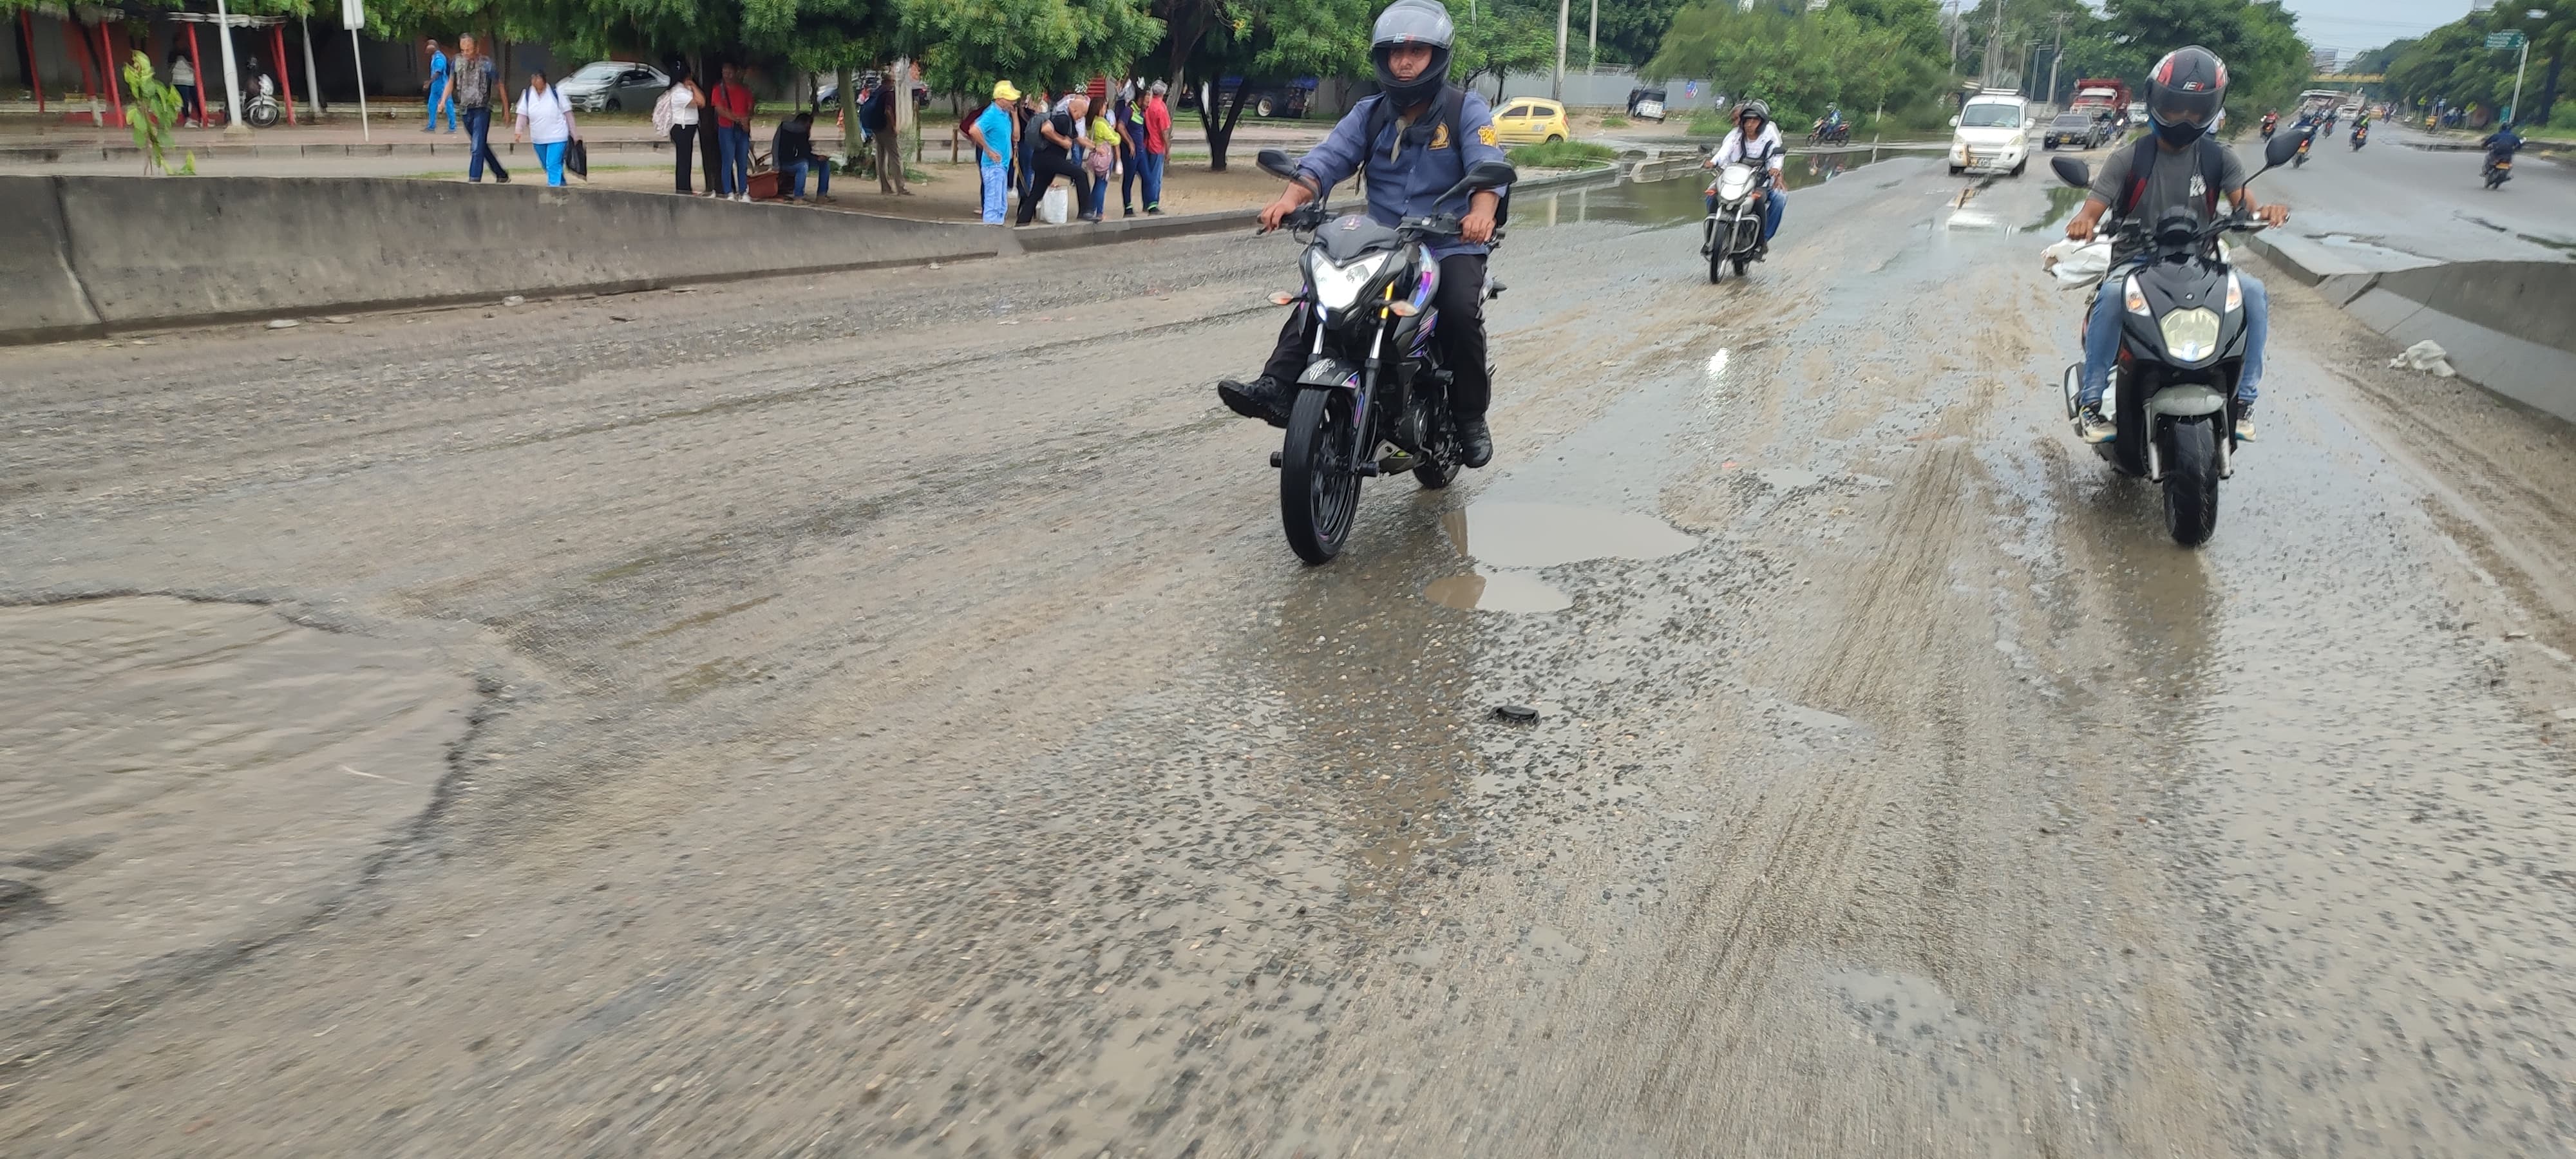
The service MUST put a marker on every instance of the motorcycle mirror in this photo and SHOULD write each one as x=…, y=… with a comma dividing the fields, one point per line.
x=1275, y=162
x=1491, y=175
x=2282, y=147
x=2072, y=171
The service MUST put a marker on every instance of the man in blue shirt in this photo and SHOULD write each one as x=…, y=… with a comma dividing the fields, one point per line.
x=991, y=133
x=1411, y=159
x=438, y=94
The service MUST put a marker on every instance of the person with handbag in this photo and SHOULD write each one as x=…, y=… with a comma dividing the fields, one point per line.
x=545, y=122
x=1107, y=146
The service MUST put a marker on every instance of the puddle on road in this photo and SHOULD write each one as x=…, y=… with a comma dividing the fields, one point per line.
x=1533, y=535
x=176, y=775
x=1666, y=202
x=1496, y=592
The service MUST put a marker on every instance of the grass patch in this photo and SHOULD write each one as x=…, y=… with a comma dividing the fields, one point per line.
x=1561, y=155
x=1709, y=123
x=1614, y=121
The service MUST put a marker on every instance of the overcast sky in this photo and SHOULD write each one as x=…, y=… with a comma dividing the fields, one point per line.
x=2350, y=26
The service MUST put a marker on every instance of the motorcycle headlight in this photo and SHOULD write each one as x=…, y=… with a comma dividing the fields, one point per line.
x=2235, y=293
x=1338, y=287
x=2190, y=335
x=2135, y=297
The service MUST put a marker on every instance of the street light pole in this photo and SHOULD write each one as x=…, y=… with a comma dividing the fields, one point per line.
x=1556, y=90
x=1595, y=63
x=2513, y=112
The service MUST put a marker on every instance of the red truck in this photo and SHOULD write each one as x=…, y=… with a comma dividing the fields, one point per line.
x=2102, y=97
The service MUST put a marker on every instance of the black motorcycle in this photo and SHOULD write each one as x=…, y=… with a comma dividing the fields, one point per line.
x=1733, y=231
x=2498, y=170
x=1838, y=133
x=2360, y=135
x=1373, y=380
x=2182, y=344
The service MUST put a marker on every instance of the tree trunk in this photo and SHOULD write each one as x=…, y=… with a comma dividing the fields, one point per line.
x=849, y=103
x=2548, y=92
x=1220, y=130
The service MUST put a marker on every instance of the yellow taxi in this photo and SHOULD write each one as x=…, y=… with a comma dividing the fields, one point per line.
x=1530, y=121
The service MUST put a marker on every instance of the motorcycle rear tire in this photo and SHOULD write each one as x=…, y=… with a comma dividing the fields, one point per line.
x=2191, y=478
x=1319, y=492
x=1740, y=263
x=1439, y=453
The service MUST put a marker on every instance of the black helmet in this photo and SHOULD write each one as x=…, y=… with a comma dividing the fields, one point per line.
x=2184, y=93
x=1412, y=22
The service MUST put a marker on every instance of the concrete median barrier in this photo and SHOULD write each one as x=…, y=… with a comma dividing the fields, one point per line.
x=43, y=299
x=89, y=254
x=2503, y=325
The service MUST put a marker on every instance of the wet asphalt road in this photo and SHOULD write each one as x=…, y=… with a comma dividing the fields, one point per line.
x=876, y=714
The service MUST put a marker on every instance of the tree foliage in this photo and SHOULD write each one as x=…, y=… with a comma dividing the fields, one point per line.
x=2267, y=62
x=1860, y=55
x=2454, y=64
x=1504, y=39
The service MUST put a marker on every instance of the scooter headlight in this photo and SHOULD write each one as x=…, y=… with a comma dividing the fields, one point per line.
x=2135, y=297
x=2190, y=335
x=1338, y=287
x=2235, y=293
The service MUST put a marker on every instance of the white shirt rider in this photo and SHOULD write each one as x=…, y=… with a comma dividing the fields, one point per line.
x=1768, y=145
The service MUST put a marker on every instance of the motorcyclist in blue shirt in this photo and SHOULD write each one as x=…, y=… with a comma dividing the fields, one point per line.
x=2503, y=141
x=1411, y=159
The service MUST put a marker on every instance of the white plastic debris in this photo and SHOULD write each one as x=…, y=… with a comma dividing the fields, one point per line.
x=2077, y=263
x=2424, y=355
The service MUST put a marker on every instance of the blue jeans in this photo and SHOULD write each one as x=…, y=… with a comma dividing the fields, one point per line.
x=437, y=100
x=1099, y=206
x=2102, y=337
x=1152, y=164
x=997, y=192
x=478, y=130
x=795, y=171
x=552, y=157
x=733, y=152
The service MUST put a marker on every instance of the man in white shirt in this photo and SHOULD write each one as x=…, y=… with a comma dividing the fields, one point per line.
x=1755, y=140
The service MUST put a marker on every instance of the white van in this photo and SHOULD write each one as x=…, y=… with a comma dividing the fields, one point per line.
x=1992, y=134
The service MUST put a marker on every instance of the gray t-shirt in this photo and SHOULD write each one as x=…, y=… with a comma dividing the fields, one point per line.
x=2174, y=180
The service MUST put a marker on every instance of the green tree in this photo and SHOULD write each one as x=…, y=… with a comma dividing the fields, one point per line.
x=1504, y=39
x=2267, y=62
x=1861, y=56
x=1262, y=42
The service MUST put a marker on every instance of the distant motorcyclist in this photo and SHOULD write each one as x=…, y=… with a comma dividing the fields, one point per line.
x=2179, y=167
x=1754, y=140
x=1419, y=146
x=2502, y=142
x=2271, y=121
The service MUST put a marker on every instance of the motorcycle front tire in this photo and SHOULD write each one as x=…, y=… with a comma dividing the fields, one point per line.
x=2191, y=478
x=1319, y=492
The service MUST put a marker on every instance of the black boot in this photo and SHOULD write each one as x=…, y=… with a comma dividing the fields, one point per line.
x=1263, y=398
x=1475, y=441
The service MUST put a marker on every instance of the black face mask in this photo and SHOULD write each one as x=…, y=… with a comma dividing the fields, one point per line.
x=2179, y=133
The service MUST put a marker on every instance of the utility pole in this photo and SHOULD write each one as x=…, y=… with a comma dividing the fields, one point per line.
x=1595, y=64
x=1556, y=90
x=1958, y=20
x=1994, y=47
x=2056, y=58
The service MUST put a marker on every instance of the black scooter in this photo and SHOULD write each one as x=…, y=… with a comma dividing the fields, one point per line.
x=2182, y=345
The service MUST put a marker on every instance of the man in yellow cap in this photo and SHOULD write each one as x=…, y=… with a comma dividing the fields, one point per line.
x=991, y=133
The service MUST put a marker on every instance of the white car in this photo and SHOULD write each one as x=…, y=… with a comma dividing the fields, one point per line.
x=1992, y=135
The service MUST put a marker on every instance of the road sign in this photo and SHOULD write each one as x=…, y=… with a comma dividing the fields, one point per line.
x=2494, y=39
x=353, y=13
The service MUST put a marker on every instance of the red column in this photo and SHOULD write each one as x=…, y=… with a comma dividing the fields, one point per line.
x=107, y=74
x=27, y=24
x=277, y=40
x=200, y=69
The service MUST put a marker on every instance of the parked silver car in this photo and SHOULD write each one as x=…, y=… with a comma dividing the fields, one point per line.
x=612, y=85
